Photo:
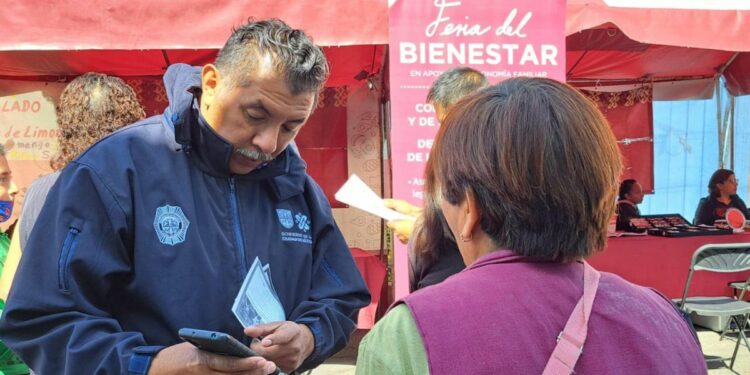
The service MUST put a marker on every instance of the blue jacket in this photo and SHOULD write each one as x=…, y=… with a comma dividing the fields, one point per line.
x=148, y=232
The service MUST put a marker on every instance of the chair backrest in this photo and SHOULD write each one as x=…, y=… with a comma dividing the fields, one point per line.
x=729, y=257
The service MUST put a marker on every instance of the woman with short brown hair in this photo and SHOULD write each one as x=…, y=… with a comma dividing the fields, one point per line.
x=526, y=174
x=722, y=195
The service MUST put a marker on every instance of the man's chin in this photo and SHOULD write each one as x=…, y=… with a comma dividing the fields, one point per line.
x=242, y=165
x=240, y=172
x=240, y=169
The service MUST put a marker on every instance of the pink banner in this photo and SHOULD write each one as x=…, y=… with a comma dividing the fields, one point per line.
x=502, y=39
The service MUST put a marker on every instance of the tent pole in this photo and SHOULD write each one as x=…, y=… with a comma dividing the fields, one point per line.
x=731, y=131
x=576, y=63
x=166, y=59
x=643, y=79
x=724, y=67
x=719, y=123
x=728, y=128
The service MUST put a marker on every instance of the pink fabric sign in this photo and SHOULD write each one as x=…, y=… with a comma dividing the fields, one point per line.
x=503, y=39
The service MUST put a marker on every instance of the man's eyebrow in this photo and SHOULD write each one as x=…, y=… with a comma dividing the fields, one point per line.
x=259, y=106
x=296, y=121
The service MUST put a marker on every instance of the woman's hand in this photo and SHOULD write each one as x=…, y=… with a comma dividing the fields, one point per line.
x=402, y=229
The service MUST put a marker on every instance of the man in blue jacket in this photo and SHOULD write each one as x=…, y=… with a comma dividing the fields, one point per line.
x=153, y=228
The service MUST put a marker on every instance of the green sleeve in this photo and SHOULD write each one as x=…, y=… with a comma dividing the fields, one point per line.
x=4, y=244
x=393, y=347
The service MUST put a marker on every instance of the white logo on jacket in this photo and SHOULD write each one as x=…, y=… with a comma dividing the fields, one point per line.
x=171, y=225
x=298, y=225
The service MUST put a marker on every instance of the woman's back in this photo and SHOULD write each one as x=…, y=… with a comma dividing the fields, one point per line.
x=504, y=312
x=529, y=165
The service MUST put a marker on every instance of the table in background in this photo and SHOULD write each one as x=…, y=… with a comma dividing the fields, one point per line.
x=662, y=263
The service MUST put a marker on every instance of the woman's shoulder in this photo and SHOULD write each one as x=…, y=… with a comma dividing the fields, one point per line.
x=626, y=207
x=393, y=346
x=737, y=199
x=616, y=291
x=44, y=181
x=706, y=202
x=37, y=191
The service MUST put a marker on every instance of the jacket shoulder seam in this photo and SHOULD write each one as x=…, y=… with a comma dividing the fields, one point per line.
x=102, y=182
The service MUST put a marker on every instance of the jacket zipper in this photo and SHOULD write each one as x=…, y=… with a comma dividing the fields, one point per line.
x=237, y=229
x=66, y=256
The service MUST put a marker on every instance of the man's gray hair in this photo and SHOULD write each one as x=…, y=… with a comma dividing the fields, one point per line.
x=293, y=54
x=454, y=84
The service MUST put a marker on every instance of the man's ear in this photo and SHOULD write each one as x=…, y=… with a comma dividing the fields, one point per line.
x=470, y=208
x=210, y=78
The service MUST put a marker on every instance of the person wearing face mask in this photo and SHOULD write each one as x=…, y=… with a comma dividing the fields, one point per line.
x=8, y=190
x=722, y=195
x=155, y=228
x=630, y=196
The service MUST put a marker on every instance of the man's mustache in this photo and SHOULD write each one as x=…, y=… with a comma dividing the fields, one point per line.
x=254, y=154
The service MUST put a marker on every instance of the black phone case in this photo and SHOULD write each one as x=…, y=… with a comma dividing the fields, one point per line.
x=216, y=342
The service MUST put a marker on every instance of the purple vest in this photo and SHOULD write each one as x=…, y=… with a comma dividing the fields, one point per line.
x=504, y=312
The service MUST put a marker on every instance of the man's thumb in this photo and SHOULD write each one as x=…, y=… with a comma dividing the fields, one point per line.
x=263, y=329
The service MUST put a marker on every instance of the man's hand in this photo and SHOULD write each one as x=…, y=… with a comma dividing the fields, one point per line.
x=402, y=229
x=287, y=344
x=187, y=359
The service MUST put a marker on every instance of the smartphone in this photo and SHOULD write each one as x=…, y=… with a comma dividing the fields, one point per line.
x=216, y=342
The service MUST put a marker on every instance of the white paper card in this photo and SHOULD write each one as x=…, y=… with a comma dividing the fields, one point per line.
x=358, y=194
x=257, y=301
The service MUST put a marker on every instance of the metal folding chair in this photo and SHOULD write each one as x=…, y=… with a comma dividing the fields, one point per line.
x=740, y=286
x=736, y=286
x=719, y=258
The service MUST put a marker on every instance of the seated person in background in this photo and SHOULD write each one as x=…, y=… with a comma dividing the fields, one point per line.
x=630, y=196
x=433, y=258
x=722, y=194
x=506, y=171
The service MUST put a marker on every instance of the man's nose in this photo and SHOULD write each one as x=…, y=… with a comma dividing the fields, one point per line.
x=267, y=139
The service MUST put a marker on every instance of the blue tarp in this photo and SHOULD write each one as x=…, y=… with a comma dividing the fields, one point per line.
x=686, y=153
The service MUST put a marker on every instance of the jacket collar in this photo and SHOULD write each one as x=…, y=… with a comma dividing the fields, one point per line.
x=495, y=257
x=502, y=256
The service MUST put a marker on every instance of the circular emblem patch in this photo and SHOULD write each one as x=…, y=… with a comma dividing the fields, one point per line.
x=171, y=225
